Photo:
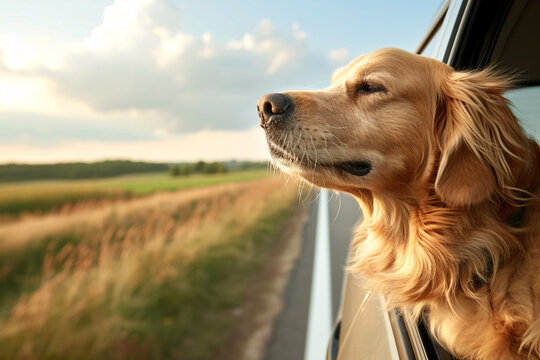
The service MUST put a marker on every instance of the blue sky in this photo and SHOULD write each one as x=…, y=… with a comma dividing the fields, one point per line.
x=172, y=80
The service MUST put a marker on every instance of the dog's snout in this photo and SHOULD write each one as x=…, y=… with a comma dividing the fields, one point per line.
x=273, y=107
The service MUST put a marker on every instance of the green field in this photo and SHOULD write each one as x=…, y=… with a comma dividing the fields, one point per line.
x=150, y=183
x=42, y=196
x=158, y=277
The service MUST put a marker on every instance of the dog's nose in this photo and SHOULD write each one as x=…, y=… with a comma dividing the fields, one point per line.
x=273, y=104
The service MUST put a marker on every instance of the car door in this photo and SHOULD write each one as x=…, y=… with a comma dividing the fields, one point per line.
x=466, y=34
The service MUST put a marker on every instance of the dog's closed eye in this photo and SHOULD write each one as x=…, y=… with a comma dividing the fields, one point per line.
x=369, y=88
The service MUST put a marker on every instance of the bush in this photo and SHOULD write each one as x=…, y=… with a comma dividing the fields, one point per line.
x=175, y=170
x=185, y=170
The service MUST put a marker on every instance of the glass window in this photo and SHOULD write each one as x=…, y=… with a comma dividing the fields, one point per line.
x=431, y=48
x=431, y=42
x=527, y=108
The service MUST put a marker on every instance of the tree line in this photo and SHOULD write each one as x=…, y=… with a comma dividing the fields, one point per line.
x=76, y=170
x=202, y=167
x=110, y=168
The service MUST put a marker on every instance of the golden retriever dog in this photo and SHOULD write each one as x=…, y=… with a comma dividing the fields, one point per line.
x=449, y=188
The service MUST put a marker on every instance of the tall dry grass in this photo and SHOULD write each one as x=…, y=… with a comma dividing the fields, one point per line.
x=135, y=279
x=38, y=197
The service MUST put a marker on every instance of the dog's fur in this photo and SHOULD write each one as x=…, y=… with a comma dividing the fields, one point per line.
x=450, y=166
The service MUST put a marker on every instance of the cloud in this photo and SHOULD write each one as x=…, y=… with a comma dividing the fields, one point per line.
x=339, y=56
x=139, y=70
x=21, y=54
x=297, y=33
x=171, y=46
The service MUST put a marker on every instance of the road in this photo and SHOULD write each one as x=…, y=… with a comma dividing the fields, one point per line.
x=288, y=337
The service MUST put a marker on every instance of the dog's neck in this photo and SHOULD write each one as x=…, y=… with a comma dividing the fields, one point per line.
x=421, y=251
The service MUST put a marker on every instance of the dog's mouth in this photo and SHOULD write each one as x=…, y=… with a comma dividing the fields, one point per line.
x=356, y=168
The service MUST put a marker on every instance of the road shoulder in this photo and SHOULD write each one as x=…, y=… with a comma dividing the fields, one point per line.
x=263, y=301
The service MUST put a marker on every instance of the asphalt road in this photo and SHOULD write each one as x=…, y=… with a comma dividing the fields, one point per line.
x=288, y=337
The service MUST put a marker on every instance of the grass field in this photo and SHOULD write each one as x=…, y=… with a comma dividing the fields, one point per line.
x=157, y=277
x=43, y=196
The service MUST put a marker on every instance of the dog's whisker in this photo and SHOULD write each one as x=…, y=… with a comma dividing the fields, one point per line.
x=314, y=151
x=338, y=196
x=335, y=127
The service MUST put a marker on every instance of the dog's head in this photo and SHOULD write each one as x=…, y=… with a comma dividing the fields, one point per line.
x=392, y=122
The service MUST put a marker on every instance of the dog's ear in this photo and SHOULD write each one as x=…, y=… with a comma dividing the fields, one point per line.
x=479, y=139
x=463, y=178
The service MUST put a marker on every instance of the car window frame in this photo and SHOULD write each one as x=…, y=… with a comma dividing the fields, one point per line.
x=461, y=46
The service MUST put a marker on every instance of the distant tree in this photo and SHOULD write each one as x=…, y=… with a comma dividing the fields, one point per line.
x=100, y=169
x=215, y=168
x=185, y=170
x=251, y=165
x=199, y=166
x=210, y=168
x=221, y=168
x=175, y=170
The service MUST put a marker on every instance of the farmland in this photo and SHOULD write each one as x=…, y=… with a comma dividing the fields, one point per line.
x=43, y=196
x=155, y=274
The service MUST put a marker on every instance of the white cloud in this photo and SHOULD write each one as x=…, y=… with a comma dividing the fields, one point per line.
x=265, y=28
x=207, y=37
x=339, y=56
x=246, y=43
x=170, y=46
x=35, y=93
x=297, y=33
x=140, y=70
x=131, y=23
x=21, y=54
x=279, y=60
x=280, y=51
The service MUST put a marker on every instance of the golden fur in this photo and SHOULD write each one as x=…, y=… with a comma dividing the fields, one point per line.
x=450, y=164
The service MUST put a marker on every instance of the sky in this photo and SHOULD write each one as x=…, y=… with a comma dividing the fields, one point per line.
x=170, y=80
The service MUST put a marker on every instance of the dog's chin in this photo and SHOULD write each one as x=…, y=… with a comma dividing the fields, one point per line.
x=321, y=174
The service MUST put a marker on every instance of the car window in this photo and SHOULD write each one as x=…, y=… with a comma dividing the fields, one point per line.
x=430, y=44
x=517, y=49
x=526, y=107
x=506, y=35
x=431, y=49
